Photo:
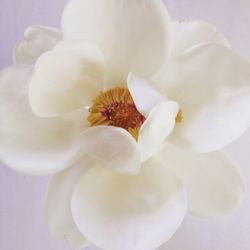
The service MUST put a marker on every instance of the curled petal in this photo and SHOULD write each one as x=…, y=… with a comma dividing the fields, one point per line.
x=158, y=126
x=66, y=78
x=121, y=212
x=144, y=95
x=114, y=147
x=37, y=40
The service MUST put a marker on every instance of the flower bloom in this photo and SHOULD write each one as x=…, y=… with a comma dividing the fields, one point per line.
x=126, y=108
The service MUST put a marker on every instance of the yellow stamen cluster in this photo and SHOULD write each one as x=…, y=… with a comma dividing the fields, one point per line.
x=115, y=107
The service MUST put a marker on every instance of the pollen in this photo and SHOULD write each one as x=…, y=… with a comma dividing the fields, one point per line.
x=179, y=117
x=115, y=107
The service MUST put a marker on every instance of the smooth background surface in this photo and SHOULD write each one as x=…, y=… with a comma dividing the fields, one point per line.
x=21, y=198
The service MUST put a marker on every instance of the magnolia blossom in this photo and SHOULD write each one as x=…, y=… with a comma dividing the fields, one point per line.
x=126, y=108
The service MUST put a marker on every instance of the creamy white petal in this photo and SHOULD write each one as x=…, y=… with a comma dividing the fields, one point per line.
x=158, y=126
x=214, y=184
x=37, y=40
x=114, y=147
x=190, y=33
x=29, y=144
x=211, y=85
x=119, y=212
x=133, y=35
x=66, y=78
x=57, y=207
x=145, y=96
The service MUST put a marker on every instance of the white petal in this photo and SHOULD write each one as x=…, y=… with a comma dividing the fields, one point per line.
x=37, y=40
x=29, y=144
x=211, y=85
x=66, y=78
x=133, y=35
x=58, y=213
x=190, y=33
x=145, y=96
x=114, y=147
x=158, y=126
x=214, y=184
x=120, y=212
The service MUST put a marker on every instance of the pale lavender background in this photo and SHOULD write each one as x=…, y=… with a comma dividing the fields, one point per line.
x=21, y=198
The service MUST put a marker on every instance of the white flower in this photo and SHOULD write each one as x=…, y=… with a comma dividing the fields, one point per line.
x=121, y=105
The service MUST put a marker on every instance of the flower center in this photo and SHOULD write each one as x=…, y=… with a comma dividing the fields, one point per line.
x=115, y=107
